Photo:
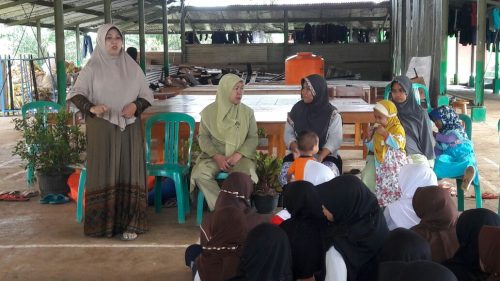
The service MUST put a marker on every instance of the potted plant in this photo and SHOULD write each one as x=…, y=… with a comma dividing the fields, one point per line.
x=263, y=141
x=50, y=147
x=265, y=197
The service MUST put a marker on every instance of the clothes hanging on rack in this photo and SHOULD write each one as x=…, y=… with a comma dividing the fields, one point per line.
x=87, y=46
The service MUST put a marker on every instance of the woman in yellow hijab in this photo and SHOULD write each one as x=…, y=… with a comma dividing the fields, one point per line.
x=388, y=146
x=228, y=138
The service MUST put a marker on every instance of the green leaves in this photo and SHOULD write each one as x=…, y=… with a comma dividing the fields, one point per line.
x=49, y=143
x=268, y=170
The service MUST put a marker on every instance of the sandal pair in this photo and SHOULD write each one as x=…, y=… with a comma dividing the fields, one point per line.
x=129, y=236
x=54, y=199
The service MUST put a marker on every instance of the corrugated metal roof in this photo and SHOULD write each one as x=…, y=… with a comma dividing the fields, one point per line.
x=88, y=14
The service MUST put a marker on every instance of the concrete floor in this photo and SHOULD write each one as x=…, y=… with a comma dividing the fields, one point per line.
x=44, y=242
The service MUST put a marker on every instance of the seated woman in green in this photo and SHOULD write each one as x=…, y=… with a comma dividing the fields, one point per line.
x=227, y=137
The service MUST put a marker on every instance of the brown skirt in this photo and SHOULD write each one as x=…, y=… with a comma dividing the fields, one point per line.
x=116, y=195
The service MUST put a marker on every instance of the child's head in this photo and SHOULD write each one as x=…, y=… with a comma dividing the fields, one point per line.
x=384, y=110
x=308, y=142
x=435, y=116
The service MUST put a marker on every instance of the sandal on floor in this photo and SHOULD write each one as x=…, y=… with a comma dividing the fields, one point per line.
x=59, y=199
x=171, y=203
x=12, y=197
x=129, y=236
x=469, y=175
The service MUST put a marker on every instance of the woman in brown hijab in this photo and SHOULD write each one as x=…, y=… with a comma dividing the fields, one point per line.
x=489, y=247
x=220, y=255
x=235, y=191
x=112, y=92
x=438, y=214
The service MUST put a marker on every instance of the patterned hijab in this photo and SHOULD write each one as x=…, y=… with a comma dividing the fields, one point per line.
x=112, y=81
x=314, y=116
x=227, y=122
x=415, y=121
x=450, y=120
x=489, y=247
x=393, y=127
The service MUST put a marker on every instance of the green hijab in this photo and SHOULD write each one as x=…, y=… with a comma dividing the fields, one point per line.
x=227, y=122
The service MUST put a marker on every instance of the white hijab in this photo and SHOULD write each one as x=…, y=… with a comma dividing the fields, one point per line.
x=112, y=81
x=411, y=177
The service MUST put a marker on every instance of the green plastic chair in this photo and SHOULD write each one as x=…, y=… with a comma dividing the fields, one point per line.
x=80, y=197
x=415, y=87
x=171, y=167
x=477, y=189
x=201, y=198
x=499, y=139
x=44, y=107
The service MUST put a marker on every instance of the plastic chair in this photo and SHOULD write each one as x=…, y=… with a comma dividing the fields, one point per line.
x=44, y=107
x=477, y=189
x=201, y=198
x=416, y=87
x=171, y=167
x=499, y=140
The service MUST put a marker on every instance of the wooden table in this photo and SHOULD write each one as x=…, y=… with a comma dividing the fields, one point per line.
x=271, y=114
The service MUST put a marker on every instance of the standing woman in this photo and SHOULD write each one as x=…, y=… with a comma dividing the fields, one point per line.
x=414, y=118
x=314, y=113
x=112, y=92
x=228, y=139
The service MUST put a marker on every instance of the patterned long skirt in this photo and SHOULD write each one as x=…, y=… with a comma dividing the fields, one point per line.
x=116, y=195
x=386, y=176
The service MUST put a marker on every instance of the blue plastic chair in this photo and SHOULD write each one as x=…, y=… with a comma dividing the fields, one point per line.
x=171, y=167
x=477, y=189
x=416, y=87
x=44, y=107
x=201, y=198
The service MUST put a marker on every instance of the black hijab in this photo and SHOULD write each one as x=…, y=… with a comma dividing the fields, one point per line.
x=304, y=228
x=465, y=263
x=359, y=229
x=415, y=121
x=414, y=271
x=316, y=115
x=266, y=255
x=405, y=245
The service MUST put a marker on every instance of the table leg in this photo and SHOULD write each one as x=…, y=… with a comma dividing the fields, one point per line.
x=364, y=135
x=357, y=134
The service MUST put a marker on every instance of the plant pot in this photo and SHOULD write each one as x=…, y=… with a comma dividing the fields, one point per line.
x=265, y=204
x=263, y=142
x=54, y=183
x=280, y=200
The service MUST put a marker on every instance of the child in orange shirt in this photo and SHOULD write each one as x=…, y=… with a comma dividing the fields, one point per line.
x=308, y=145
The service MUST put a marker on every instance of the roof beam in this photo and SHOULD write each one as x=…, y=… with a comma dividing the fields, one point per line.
x=15, y=3
x=83, y=11
x=294, y=20
x=73, y=9
x=45, y=25
x=291, y=7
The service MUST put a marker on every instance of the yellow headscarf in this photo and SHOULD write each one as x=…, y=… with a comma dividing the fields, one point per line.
x=393, y=127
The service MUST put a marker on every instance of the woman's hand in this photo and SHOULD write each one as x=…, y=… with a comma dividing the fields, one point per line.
x=221, y=162
x=322, y=154
x=99, y=109
x=129, y=110
x=233, y=159
x=294, y=148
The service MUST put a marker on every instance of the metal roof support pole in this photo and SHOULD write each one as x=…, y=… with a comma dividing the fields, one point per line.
x=443, y=66
x=479, y=110
x=142, y=39
x=457, y=40
x=60, y=68
x=183, y=32
x=285, y=34
x=39, y=38
x=165, y=38
x=107, y=11
x=78, y=50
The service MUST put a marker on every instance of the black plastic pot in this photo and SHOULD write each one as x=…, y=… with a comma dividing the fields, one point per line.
x=265, y=204
x=54, y=183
